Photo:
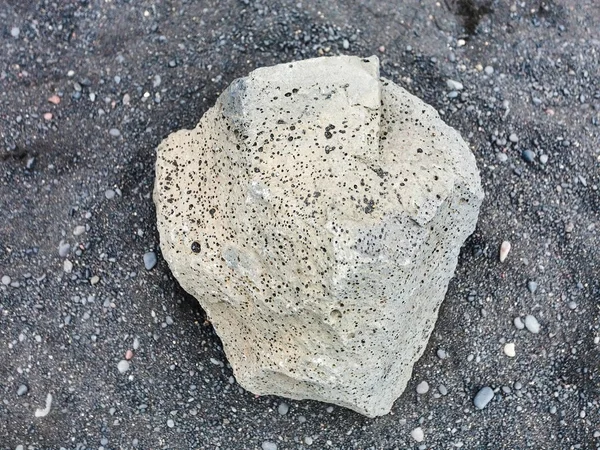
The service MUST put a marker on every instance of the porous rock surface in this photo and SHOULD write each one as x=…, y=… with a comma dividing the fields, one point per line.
x=317, y=212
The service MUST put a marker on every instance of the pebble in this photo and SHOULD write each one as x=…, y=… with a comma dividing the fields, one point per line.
x=454, y=85
x=170, y=423
x=268, y=445
x=417, y=434
x=572, y=305
x=114, y=132
x=109, y=194
x=67, y=266
x=22, y=390
x=308, y=440
x=502, y=157
x=123, y=366
x=78, y=230
x=483, y=397
x=461, y=43
x=63, y=249
x=136, y=343
x=442, y=389
x=15, y=32
x=532, y=286
x=532, y=324
x=283, y=408
x=422, y=387
x=6, y=280
x=94, y=280
x=126, y=99
x=345, y=44
x=513, y=138
x=543, y=159
x=528, y=155
x=128, y=355
x=504, y=249
x=488, y=70
x=149, y=260
x=44, y=412
x=442, y=353
x=509, y=350
x=48, y=116
x=519, y=323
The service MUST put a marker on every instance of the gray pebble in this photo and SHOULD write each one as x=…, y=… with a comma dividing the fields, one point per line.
x=14, y=32
x=19, y=447
x=109, y=194
x=308, y=440
x=169, y=320
x=519, y=323
x=454, y=85
x=63, y=249
x=6, y=280
x=345, y=44
x=78, y=230
x=518, y=385
x=532, y=324
x=114, y=132
x=103, y=441
x=149, y=260
x=506, y=389
x=268, y=445
x=422, y=387
x=544, y=159
x=532, y=286
x=572, y=305
x=502, y=157
x=442, y=353
x=283, y=408
x=22, y=390
x=528, y=155
x=442, y=389
x=483, y=397
x=513, y=138
x=123, y=366
x=67, y=266
x=170, y=423
x=488, y=70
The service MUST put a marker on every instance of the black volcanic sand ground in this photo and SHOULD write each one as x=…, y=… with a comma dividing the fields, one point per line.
x=146, y=68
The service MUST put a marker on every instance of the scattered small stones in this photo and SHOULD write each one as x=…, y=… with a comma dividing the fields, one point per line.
x=532, y=286
x=22, y=390
x=532, y=324
x=483, y=397
x=114, y=132
x=149, y=260
x=519, y=323
x=423, y=388
x=283, y=408
x=268, y=445
x=509, y=350
x=417, y=434
x=44, y=412
x=504, y=249
x=528, y=155
x=454, y=85
x=123, y=366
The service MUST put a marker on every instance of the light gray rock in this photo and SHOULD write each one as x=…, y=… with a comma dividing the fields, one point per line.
x=317, y=213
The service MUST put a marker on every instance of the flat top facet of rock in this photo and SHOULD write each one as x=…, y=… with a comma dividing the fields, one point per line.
x=317, y=212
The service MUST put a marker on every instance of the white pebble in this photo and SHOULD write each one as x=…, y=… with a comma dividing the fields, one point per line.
x=15, y=32
x=269, y=445
x=509, y=350
x=454, y=85
x=519, y=323
x=123, y=366
x=170, y=423
x=67, y=266
x=6, y=280
x=423, y=387
x=136, y=343
x=488, y=70
x=44, y=412
x=78, y=230
x=504, y=249
x=417, y=434
x=544, y=159
x=532, y=324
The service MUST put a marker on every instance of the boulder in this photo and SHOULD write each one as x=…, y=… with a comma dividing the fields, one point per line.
x=317, y=212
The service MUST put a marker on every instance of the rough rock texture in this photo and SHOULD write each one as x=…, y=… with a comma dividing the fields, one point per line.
x=317, y=213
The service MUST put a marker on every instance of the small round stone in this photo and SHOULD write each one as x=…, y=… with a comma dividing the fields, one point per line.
x=109, y=194
x=170, y=423
x=283, y=408
x=513, y=138
x=268, y=445
x=6, y=280
x=502, y=157
x=308, y=440
x=532, y=324
x=78, y=230
x=488, y=70
x=22, y=390
x=149, y=260
x=543, y=159
x=528, y=155
x=15, y=32
x=442, y=389
x=123, y=366
x=454, y=85
x=441, y=353
x=532, y=286
x=483, y=397
x=423, y=388
x=114, y=132
x=196, y=247
x=63, y=249
x=509, y=350
x=417, y=434
x=519, y=323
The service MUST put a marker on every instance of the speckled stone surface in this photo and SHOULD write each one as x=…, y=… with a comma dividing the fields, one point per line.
x=317, y=212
